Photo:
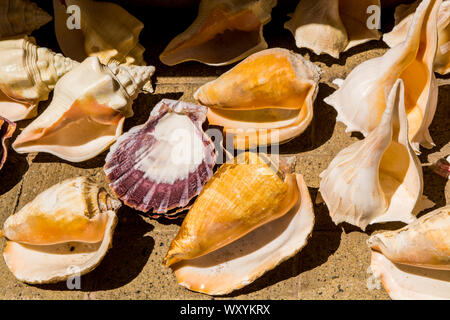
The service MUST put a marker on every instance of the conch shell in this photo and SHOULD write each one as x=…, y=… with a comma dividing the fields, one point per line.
x=246, y=221
x=28, y=74
x=106, y=31
x=332, y=26
x=403, y=19
x=266, y=99
x=414, y=262
x=224, y=32
x=20, y=17
x=87, y=112
x=378, y=179
x=64, y=231
x=6, y=131
x=360, y=100
x=162, y=164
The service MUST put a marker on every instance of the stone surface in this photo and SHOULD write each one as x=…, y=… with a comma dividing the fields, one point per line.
x=333, y=265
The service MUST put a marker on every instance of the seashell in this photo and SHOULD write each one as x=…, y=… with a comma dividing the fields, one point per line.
x=266, y=99
x=6, y=131
x=106, y=31
x=21, y=17
x=224, y=32
x=64, y=231
x=360, y=100
x=414, y=262
x=164, y=163
x=332, y=27
x=393, y=3
x=28, y=74
x=246, y=221
x=378, y=179
x=403, y=19
x=87, y=112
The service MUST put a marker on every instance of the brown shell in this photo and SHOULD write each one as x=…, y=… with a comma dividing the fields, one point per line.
x=6, y=131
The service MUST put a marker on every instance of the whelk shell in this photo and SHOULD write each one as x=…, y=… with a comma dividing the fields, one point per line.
x=20, y=17
x=107, y=31
x=266, y=99
x=378, y=179
x=332, y=27
x=360, y=100
x=403, y=19
x=246, y=221
x=64, y=231
x=162, y=164
x=28, y=74
x=87, y=112
x=224, y=32
x=6, y=131
x=414, y=262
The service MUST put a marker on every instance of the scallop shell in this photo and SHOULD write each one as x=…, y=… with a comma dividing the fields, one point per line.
x=65, y=231
x=20, y=17
x=378, y=179
x=332, y=26
x=107, y=31
x=360, y=100
x=164, y=163
x=266, y=99
x=414, y=262
x=6, y=131
x=403, y=18
x=28, y=74
x=241, y=254
x=224, y=32
x=87, y=112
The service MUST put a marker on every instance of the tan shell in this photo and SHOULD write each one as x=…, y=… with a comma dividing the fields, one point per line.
x=403, y=18
x=20, y=17
x=65, y=231
x=224, y=32
x=332, y=26
x=6, y=131
x=360, y=101
x=266, y=99
x=28, y=74
x=107, y=31
x=87, y=112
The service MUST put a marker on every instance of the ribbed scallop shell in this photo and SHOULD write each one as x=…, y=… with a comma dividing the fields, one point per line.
x=21, y=17
x=6, y=131
x=164, y=163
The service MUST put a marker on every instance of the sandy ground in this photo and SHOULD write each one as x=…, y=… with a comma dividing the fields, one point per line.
x=333, y=265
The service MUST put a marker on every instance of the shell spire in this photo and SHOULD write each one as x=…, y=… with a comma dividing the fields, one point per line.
x=134, y=78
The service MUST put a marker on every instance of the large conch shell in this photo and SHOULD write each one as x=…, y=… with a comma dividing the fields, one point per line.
x=378, y=179
x=87, y=112
x=20, y=17
x=162, y=164
x=28, y=74
x=224, y=32
x=106, y=31
x=6, y=131
x=266, y=99
x=246, y=221
x=403, y=18
x=414, y=262
x=65, y=231
x=332, y=26
x=360, y=100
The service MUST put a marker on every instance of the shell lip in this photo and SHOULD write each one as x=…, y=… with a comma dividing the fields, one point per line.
x=7, y=129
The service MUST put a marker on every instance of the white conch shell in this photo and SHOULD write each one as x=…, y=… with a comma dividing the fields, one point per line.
x=403, y=18
x=20, y=17
x=224, y=32
x=65, y=231
x=378, y=179
x=106, y=31
x=28, y=74
x=360, y=100
x=87, y=112
x=332, y=26
x=414, y=262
